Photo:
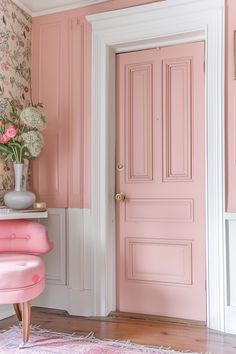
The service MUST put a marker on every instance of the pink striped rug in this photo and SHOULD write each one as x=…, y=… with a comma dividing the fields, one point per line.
x=48, y=342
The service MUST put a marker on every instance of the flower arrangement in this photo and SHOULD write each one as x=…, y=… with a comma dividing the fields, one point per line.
x=20, y=136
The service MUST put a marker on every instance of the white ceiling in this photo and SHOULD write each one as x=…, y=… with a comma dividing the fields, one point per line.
x=42, y=7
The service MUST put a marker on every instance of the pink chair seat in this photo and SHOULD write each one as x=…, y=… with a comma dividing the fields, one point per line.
x=22, y=277
x=22, y=273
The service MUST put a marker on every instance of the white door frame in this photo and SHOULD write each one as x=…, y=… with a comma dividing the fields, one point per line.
x=157, y=24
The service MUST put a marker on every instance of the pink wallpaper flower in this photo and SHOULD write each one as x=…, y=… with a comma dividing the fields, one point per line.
x=15, y=73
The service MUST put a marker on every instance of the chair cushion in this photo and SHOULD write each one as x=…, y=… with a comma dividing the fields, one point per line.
x=20, y=271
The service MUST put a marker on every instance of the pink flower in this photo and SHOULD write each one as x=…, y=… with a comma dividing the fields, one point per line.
x=5, y=66
x=4, y=139
x=11, y=131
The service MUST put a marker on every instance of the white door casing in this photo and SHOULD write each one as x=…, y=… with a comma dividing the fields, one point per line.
x=157, y=24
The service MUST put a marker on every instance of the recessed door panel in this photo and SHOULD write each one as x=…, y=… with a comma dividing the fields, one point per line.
x=139, y=83
x=177, y=118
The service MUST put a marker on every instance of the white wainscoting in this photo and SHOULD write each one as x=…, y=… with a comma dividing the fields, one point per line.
x=55, y=294
x=6, y=311
x=230, y=288
x=55, y=261
x=69, y=265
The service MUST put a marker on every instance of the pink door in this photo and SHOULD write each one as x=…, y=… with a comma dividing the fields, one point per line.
x=160, y=168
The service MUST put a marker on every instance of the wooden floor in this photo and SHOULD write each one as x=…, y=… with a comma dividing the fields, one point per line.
x=178, y=336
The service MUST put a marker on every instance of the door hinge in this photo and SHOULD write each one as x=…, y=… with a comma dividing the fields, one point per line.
x=204, y=66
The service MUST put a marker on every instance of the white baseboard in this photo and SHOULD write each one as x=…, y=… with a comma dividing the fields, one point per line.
x=54, y=296
x=74, y=301
x=80, y=303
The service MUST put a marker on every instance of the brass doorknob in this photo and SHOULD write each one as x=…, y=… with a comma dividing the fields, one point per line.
x=120, y=197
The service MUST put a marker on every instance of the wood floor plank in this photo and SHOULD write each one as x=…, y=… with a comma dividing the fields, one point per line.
x=178, y=336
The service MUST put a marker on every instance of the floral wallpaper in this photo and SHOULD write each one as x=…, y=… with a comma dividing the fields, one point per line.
x=15, y=74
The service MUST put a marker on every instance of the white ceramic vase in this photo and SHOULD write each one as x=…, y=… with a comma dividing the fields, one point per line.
x=19, y=199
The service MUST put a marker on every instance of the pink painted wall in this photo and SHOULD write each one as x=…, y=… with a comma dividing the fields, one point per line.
x=61, y=76
x=61, y=79
x=230, y=101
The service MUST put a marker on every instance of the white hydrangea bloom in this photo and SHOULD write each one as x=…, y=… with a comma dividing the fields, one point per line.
x=32, y=117
x=34, y=142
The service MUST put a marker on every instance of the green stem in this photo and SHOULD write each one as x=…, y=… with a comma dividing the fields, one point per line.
x=21, y=152
x=15, y=153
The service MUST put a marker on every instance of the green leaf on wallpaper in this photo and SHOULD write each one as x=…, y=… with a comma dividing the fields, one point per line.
x=4, y=150
x=16, y=55
x=12, y=81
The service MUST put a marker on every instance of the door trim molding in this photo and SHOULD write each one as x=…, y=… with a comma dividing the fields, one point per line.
x=162, y=23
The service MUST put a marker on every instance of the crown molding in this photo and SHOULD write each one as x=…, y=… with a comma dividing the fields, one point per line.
x=45, y=7
x=23, y=7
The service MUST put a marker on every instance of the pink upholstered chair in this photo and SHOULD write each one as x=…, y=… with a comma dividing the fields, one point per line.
x=22, y=272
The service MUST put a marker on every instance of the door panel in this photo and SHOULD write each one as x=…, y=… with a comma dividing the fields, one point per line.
x=139, y=123
x=160, y=143
x=177, y=118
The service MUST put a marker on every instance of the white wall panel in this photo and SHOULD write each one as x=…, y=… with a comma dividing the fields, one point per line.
x=6, y=311
x=230, y=306
x=55, y=261
x=69, y=264
x=231, y=260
